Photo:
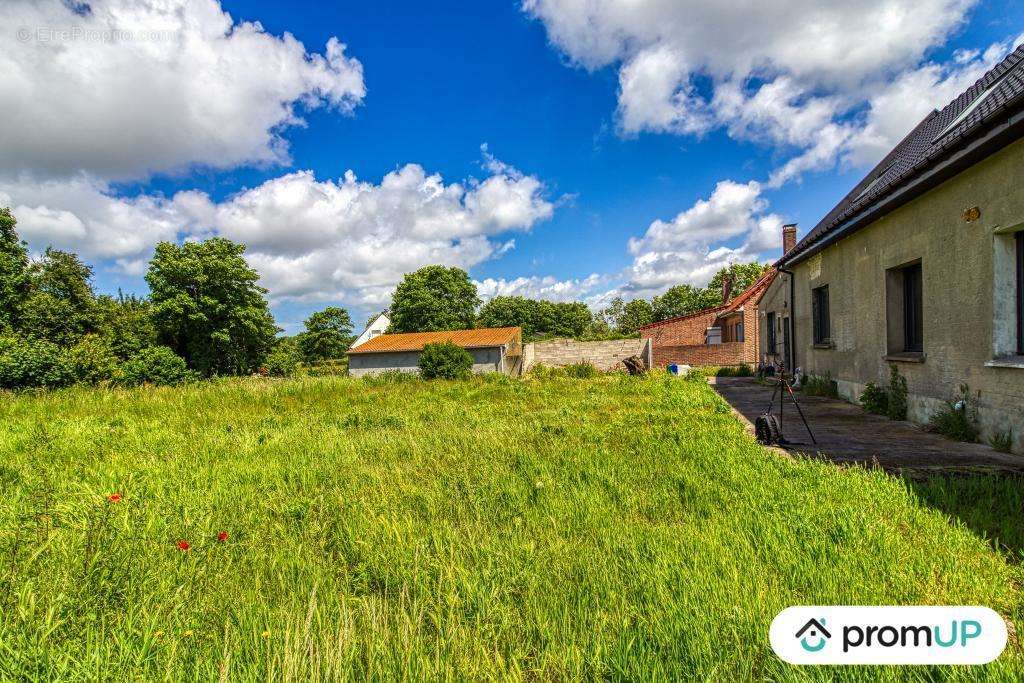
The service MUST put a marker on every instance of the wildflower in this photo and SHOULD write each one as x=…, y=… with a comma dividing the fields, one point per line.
x=114, y=498
x=158, y=634
x=189, y=632
x=222, y=537
x=183, y=546
x=266, y=634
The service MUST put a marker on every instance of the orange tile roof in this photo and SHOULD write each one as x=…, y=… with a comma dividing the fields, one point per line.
x=415, y=341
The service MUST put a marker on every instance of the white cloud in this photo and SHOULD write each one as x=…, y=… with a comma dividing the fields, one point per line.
x=310, y=239
x=826, y=83
x=122, y=89
x=541, y=287
x=692, y=246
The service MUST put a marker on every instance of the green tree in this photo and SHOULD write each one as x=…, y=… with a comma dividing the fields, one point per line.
x=126, y=324
x=743, y=275
x=684, y=300
x=510, y=311
x=434, y=299
x=61, y=305
x=14, y=278
x=208, y=307
x=635, y=315
x=572, y=319
x=328, y=335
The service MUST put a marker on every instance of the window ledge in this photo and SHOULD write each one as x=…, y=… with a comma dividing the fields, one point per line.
x=905, y=357
x=825, y=345
x=1006, y=362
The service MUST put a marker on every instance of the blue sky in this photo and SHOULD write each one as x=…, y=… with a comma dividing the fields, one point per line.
x=599, y=130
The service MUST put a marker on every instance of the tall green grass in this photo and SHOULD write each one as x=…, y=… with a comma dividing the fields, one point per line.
x=554, y=528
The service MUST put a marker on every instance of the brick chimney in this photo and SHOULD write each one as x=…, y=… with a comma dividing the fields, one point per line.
x=726, y=289
x=788, y=238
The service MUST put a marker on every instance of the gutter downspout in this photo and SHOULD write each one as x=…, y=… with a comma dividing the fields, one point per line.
x=792, y=320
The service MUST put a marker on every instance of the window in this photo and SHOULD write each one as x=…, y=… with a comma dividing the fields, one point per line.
x=1020, y=293
x=772, y=336
x=913, y=327
x=739, y=331
x=820, y=315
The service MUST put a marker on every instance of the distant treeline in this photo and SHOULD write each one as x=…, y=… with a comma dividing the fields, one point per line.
x=206, y=316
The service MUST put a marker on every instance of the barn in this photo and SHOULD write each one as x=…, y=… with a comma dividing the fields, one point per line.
x=493, y=350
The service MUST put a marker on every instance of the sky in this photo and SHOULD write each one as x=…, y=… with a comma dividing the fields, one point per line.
x=556, y=149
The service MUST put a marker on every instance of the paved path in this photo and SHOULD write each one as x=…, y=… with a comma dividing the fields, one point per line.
x=847, y=434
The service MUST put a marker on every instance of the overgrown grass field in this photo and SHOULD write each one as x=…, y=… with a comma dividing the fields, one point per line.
x=550, y=528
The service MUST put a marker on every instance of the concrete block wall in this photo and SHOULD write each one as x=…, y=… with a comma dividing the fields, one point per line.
x=604, y=355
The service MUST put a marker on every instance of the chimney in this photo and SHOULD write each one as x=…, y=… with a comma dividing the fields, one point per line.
x=788, y=238
x=726, y=288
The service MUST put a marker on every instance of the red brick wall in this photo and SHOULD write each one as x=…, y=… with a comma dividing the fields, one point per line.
x=688, y=331
x=697, y=355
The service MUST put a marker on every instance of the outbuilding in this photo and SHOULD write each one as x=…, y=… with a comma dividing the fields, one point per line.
x=493, y=350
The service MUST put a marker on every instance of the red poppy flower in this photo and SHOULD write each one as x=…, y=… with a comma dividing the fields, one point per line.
x=222, y=536
x=114, y=497
x=183, y=546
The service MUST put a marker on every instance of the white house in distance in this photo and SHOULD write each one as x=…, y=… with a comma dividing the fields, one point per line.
x=375, y=328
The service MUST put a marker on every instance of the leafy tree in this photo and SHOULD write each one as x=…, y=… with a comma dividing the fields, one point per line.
x=126, y=324
x=61, y=306
x=537, y=318
x=684, y=300
x=208, y=307
x=445, y=360
x=434, y=299
x=14, y=279
x=510, y=311
x=612, y=312
x=743, y=275
x=572, y=319
x=328, y=335
x=635, y=315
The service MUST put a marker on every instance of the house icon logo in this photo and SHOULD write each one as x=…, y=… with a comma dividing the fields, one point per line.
x=815, y=632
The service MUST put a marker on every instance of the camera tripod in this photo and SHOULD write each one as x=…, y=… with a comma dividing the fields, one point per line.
x=768, y=427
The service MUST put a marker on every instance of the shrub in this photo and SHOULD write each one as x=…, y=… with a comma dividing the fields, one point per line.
x=155, y=365
x=582, y=370
x=820, y=385
x=743, y=370
x=91, y=360
x=956, y=419
x=875, y=399
x=29, y=363
x=897, y=394
x=445, y=361
x=283, y=360
x=1002, y=441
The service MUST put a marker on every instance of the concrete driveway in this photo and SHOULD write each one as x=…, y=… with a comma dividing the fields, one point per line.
x=847, y=434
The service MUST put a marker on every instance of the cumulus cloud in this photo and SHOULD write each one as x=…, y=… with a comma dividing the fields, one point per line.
x=122, y=89
x=694, y=245
x=542, y=287
x=827, y=83
x=310, y=239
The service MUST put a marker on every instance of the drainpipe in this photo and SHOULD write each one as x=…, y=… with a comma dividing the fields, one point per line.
x=792, y=320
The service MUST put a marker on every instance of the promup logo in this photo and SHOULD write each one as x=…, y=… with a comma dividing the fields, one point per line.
x=815, y=632
x=888, y=635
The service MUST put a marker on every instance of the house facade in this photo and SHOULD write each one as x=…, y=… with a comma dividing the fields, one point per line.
x=376, y=327
x=723, y=335
x=921, y=266
x=492, y=349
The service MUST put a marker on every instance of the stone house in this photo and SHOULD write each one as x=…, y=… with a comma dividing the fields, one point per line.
x=723, y=335
x=921, y=265
x=493, y=350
